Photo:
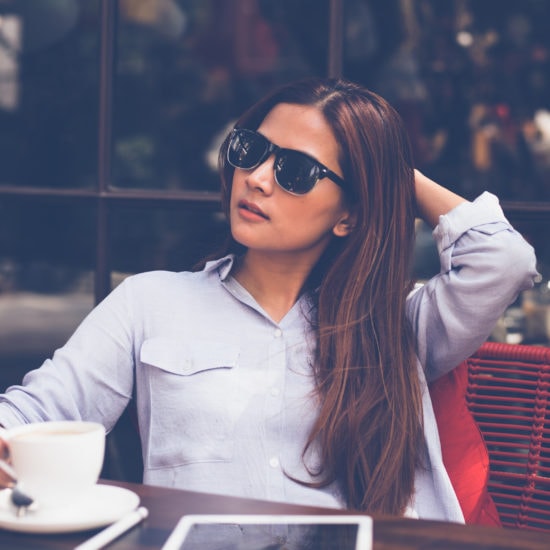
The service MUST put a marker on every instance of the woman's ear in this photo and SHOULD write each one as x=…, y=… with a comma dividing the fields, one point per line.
x=345, y=225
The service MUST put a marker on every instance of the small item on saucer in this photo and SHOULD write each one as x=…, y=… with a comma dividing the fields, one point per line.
x=19, y=499
x=56, y=462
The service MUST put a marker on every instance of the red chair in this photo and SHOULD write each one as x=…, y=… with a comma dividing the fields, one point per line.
x=493, y=416
x=508, y=394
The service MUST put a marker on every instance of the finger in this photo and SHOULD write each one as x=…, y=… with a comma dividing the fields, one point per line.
x=8, y=477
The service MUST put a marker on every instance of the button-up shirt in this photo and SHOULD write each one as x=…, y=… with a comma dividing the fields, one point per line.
x=225, y=396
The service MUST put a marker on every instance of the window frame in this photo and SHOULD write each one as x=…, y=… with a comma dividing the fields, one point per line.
x=107, y=199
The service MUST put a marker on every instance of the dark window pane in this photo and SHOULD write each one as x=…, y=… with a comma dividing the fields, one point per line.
x=175, y=238
x=187, y=68
x=34, y=230
x=48, y=93
x=46, y=282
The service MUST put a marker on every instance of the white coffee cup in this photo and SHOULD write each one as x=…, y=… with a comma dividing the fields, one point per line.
x=56, y=462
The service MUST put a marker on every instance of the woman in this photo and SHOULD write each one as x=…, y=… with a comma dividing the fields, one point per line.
x=293, y=367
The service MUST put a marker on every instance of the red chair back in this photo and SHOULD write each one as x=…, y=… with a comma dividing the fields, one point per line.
x=508, y=394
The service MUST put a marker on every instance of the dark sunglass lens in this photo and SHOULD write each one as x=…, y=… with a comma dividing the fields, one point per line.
x=296, y=172
x=246, y=149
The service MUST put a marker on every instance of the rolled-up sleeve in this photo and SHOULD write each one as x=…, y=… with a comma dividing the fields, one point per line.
x=485, y=264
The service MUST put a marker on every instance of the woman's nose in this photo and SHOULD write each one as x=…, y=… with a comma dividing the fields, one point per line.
x=262, y=177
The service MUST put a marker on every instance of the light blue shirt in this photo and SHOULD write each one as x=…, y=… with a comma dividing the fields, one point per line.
x=225, y=395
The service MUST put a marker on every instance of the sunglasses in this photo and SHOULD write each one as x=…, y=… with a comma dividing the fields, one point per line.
x=294, y=171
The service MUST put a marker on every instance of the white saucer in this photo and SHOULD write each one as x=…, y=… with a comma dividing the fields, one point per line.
x=104, y=504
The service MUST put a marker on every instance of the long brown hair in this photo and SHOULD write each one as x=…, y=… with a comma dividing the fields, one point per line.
x=369, y=426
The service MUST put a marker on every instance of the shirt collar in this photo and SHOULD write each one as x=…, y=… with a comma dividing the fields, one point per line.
x=222, y=265
x=225, y=264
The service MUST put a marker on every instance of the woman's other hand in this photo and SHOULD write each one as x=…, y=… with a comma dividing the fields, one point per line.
x=5, y=479
x=433, y=200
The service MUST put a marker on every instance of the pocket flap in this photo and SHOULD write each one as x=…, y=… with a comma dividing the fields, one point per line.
x=187, y=358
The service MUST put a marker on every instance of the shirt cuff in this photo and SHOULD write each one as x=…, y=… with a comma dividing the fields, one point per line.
x=483, y=210
x=9, y=418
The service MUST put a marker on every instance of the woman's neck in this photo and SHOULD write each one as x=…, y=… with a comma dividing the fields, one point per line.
x=275, y=282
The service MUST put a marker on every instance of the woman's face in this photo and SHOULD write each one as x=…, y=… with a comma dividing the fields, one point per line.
x=264, y=217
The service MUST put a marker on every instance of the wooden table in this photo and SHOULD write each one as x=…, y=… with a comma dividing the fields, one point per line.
x=166, y=506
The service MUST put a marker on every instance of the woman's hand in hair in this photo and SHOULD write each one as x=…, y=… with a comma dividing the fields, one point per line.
x=433, y=200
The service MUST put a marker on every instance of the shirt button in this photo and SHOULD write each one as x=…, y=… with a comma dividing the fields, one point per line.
x=274, y=391
x=277, y=333
x=274, y=462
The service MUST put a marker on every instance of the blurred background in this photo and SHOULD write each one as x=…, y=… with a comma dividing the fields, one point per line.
x=111, y=114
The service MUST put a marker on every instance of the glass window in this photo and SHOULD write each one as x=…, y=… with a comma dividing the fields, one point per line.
x=187, y=68
x=46, y=282
x=48, y=93
x=533, y=315
x=472, y=82
x=143, y=238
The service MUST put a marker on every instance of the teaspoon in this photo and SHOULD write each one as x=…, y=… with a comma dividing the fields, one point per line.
x=19, y=499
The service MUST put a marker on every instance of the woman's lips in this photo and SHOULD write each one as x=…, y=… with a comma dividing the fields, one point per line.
x=245, y=206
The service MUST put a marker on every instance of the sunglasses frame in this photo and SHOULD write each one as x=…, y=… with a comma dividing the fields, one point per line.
x=272, y=149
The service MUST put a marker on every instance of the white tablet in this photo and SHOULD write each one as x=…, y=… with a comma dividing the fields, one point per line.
x=270, y=532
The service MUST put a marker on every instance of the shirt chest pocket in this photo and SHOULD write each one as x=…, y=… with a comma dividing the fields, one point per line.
x=192, y=397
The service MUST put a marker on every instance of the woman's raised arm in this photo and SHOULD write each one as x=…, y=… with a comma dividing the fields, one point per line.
x=432, y=199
